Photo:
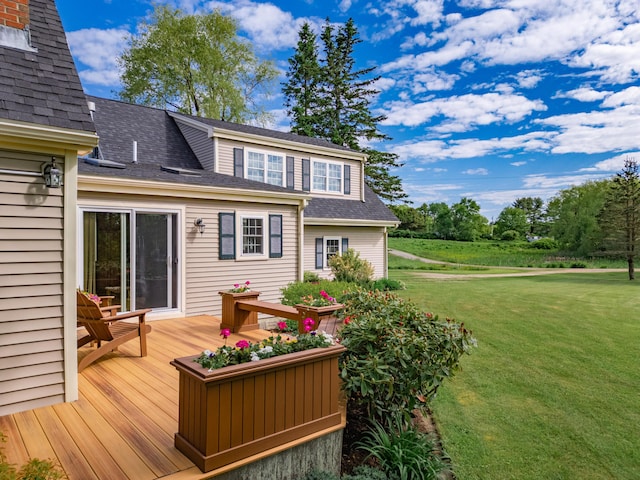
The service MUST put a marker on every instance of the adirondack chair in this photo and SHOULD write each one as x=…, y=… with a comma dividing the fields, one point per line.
x=105, y=328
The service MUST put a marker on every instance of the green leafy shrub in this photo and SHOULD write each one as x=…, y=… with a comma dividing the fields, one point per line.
x=544, y=244
x=34, y=469
x=311, y=277
x=362, y=472
x=403, y=453
x=578, y=265
x=509, y=235
x=397, y=356
x=387, y=284
x=349, y=267
x=294, y=292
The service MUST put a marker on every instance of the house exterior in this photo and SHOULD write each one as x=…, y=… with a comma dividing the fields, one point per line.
x=43, y=114
x=273, y=206
x=168, y=211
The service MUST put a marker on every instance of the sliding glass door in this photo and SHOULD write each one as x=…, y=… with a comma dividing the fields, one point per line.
x=131, y=256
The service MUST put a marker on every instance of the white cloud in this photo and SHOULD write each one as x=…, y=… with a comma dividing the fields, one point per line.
x=429, y=151
x=613, y=164
x=96, y=51
x=628, y=96
x=476, y=171
x=585, y=94
x=462, y=112
x=555, y=183
x=529, y=78
x=597, y=131
x=518, y=164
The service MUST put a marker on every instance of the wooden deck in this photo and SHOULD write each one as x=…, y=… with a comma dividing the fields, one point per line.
x=123, y=425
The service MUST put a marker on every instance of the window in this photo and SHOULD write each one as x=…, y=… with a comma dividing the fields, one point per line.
x=252, y=236
x=327, y=177
x=327, y=247
x=265, y=167
x=256, y=239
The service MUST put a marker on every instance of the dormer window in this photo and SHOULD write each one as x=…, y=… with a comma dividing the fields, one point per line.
x=327, y=177
x=265, y=167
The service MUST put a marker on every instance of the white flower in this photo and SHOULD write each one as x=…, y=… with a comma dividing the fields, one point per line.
x=255, y=357
x=207, y=353
x=266, y=350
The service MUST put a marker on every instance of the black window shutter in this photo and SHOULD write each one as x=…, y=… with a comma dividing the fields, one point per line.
x=275, y=236
x=290, y=173
x=227, y=236
x=319, y=253
x=238, y=162
x=306, y=174
x=347, y=179
x=345, y=244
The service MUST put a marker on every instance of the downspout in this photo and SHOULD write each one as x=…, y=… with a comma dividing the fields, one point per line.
x=362, y=179
x=301, y=207
x=386, y=253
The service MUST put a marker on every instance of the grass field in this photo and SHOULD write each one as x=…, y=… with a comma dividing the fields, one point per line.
x=553, y=389
x=495, y=253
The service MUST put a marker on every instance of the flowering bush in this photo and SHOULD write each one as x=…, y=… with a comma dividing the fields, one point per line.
x=323, y=300
x=92, y=296
x=239, y=288
x=245, y=351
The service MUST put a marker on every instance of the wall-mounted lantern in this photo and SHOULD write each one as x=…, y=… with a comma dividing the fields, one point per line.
x=199, y=223
x=52, y=174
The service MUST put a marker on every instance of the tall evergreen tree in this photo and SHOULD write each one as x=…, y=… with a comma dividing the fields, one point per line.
x=620, y=217
x=342, y=112
x=301, y=90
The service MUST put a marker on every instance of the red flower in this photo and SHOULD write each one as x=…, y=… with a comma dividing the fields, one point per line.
x=243, y=344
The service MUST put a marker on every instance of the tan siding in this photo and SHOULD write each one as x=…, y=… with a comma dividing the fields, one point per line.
x=206, y=275
x=225, y=166
x=31, y=297
x=368, y=241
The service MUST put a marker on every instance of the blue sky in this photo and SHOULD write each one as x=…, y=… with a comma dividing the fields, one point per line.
x=488, y=99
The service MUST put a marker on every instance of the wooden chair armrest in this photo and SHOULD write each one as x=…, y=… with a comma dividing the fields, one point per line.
x=121, y=316
x=110, y=309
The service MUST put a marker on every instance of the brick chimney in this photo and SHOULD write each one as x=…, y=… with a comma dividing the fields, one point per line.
x=14, y=13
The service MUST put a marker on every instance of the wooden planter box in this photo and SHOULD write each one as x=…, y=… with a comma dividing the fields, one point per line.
x=235, y=412
x=233, y=318
x=316, y=313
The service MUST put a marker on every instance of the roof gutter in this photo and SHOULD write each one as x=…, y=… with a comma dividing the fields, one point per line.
x=350, y=222
x=118, y=185
x=45, y=138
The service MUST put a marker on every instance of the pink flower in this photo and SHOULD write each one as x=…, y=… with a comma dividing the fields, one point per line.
x=282, y=325
x=324, y=294
x=242, y=344
x=308, y=324
x=224, y=333
x=307, y=328
x=236, y=285
x=247, y=282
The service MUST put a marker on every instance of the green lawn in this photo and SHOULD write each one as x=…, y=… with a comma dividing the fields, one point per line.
x=553, y=389
x=495, y=253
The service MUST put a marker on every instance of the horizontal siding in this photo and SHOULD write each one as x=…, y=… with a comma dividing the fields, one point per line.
x=31, y=281
x=225, y=166
x=368, y=241
x=206, y=275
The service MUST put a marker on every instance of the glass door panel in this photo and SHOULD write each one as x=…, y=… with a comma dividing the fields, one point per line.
x=106, y=256
x=156, y=282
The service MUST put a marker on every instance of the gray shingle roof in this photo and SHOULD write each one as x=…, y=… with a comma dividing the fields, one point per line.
x=43, y=87
x=338, y=208
x=265, y=132
x=160, y=143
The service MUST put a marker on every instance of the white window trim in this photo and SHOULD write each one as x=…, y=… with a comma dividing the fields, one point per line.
x=327, y=191
x=266, y=154
x=325, y=263
x=240, y=255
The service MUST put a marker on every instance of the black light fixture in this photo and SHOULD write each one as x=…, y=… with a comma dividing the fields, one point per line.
x=199, y=223
x=52, y=174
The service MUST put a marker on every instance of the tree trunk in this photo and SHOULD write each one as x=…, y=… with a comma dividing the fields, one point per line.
x=632, y=274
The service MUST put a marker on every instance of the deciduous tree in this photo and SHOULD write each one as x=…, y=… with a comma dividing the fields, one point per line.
x=195, y=64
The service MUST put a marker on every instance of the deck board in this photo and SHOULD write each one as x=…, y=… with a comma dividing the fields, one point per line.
x=123, y=425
